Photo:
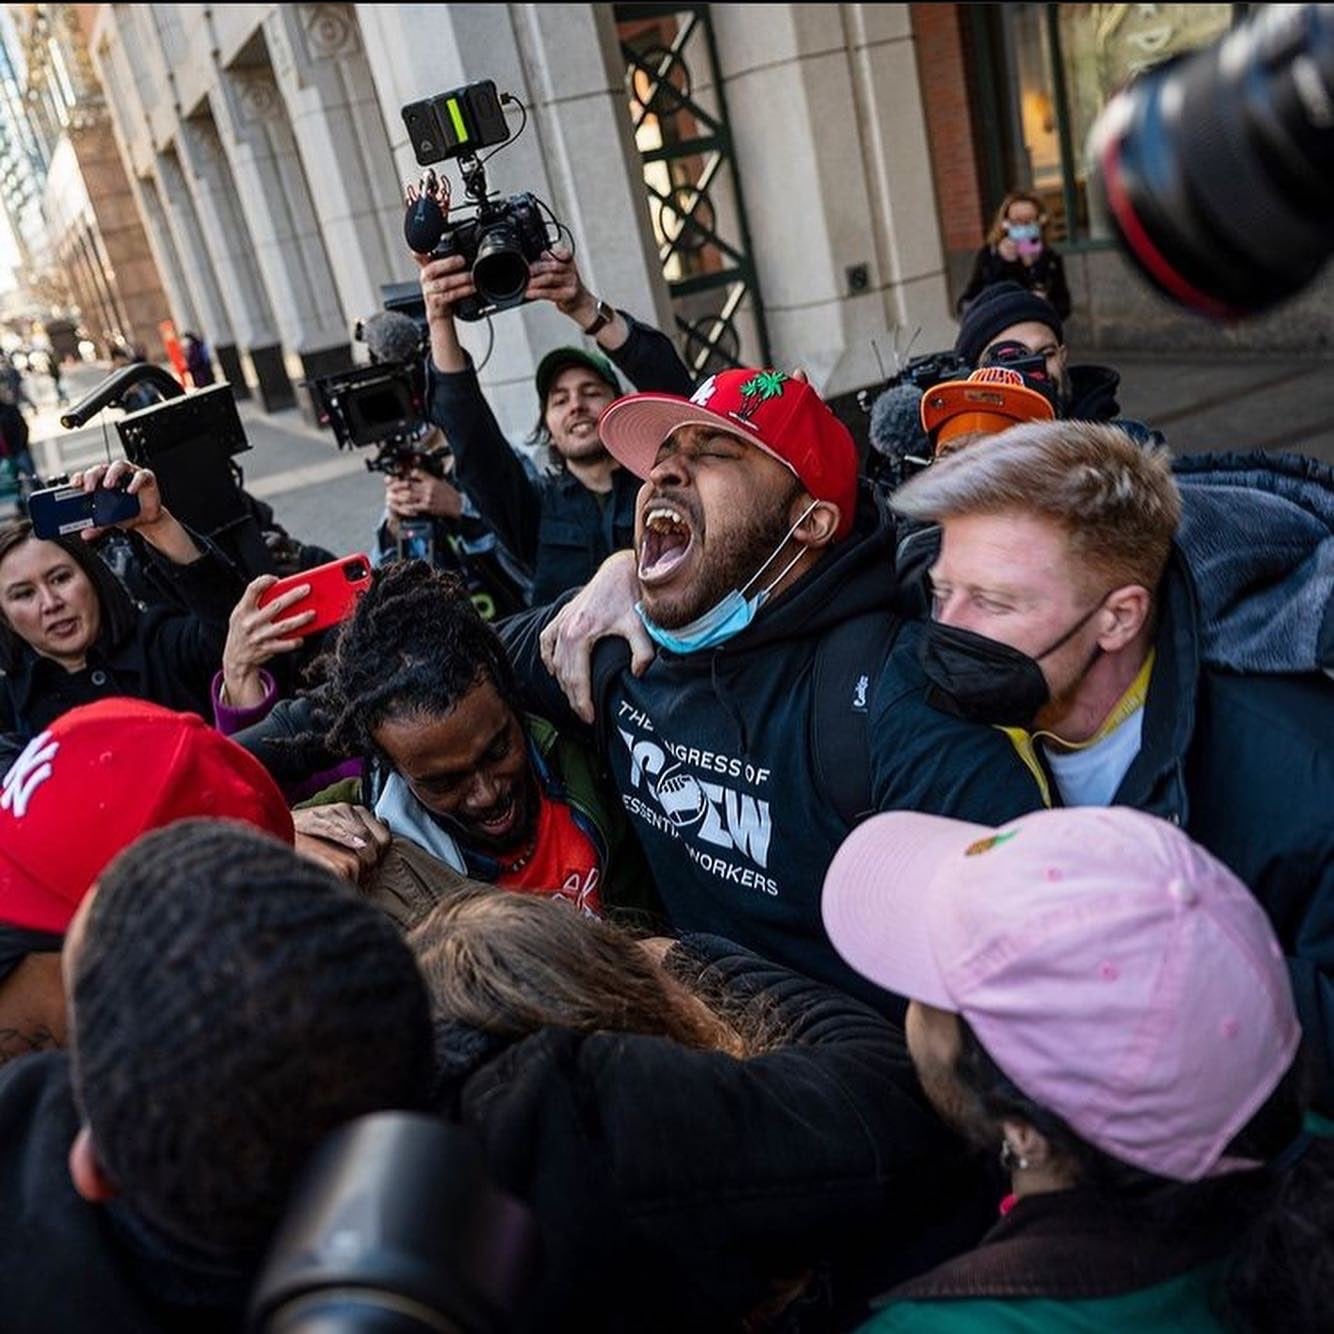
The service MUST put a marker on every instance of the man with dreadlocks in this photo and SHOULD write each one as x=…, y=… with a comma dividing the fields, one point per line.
x=420, y=688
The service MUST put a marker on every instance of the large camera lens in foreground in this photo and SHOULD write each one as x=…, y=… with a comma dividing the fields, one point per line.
x=500, y=272
x=1218, y=170
x=395, y=1229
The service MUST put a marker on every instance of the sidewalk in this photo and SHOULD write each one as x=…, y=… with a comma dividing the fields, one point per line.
x=1212, y=403
x=1198, y=402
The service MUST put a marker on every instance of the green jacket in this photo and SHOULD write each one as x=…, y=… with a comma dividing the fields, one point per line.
x=1182, y=1305
x=1079, y=1261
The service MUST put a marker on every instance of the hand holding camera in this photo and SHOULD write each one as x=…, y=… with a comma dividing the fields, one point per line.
x=445, y=283
x=419, y=494
x=555, y=278
x=497, y=238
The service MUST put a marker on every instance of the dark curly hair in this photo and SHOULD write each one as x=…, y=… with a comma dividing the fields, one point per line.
x=233, y=1004
x=413, y=648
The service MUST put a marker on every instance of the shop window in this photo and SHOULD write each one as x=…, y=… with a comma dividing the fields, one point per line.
x=1065, y=62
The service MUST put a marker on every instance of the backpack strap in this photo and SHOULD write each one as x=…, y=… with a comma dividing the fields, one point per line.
x=847, y=664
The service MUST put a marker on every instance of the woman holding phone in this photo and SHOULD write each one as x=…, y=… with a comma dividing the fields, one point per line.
x=71, y=634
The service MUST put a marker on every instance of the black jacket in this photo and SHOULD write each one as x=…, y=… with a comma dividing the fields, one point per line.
x=1047, y=274
x=675, y=1188
x=13, y=431
x=1245, y=765
x=553, y=526
x=169, y=656
x=77, y=1267
x=1081, y=1244
x=716, y=759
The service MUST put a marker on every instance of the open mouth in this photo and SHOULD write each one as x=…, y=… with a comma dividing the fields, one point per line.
x=62, y=629
x=664, y=543
x=499, y=819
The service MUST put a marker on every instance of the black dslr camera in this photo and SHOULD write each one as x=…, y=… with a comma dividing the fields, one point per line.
x=503, y=235
x=1216, y=169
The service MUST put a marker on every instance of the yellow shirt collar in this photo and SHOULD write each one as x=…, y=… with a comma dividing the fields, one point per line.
x=1133, y=698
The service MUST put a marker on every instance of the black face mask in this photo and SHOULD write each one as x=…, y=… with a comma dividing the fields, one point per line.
x=985, y=681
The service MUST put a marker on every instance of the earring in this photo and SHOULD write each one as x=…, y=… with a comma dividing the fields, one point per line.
x=1010, y=1160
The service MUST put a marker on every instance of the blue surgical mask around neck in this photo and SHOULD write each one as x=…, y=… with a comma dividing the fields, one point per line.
x=728, y=617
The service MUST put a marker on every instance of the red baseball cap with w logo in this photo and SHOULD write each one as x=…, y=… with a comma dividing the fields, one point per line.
x=98, y=778
x=769, y=409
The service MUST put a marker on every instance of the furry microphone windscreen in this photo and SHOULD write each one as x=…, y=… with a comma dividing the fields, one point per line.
x=392, y=336
x=896, y=423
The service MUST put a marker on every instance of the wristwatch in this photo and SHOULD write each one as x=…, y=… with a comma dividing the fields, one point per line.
x=604, y=317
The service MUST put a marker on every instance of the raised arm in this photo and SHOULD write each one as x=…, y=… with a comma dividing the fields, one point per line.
x=485, y=467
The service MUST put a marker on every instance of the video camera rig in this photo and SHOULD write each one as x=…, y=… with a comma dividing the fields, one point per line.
x=379, y=406
x=190, y=442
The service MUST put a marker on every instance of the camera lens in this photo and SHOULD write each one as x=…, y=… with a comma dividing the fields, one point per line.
x=1216, y=169
x=395, y=1227
x=500, y=271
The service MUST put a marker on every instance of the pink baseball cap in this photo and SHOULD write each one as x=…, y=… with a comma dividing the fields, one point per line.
x=1121, y=976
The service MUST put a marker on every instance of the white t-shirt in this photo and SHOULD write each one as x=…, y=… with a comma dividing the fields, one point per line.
x=1090, y=777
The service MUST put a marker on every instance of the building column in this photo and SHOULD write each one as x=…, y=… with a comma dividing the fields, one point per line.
x=575, y=154
x=226, y=237
x=169, y=194
x=274, y=197
x=320, y=67
x=831, y=147
x=167, y=257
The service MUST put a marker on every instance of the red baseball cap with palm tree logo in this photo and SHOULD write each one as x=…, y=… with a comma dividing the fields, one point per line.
x=769, y=409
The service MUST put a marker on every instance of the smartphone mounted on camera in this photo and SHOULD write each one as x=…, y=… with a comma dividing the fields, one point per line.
x=416, y=540
x=334, y=590
x=59, y=511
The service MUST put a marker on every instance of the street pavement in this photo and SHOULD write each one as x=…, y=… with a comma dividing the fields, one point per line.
x=1214, y=403
x=320, y=494
x=327, y=497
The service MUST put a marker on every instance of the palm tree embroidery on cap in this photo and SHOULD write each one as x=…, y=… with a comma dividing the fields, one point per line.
x=760, y=388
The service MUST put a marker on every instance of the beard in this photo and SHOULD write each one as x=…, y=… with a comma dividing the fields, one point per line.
x=586, y=447
x=730, y=560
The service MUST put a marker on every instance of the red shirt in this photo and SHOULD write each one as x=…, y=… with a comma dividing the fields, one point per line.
x=564, y=862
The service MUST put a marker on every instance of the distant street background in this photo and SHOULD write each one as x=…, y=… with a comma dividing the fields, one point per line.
x=327, y=497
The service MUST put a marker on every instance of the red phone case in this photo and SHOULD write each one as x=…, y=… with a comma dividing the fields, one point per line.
x=334, y=590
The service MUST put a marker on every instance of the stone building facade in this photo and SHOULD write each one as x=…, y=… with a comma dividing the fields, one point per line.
x=81, y=238
x=268, y=155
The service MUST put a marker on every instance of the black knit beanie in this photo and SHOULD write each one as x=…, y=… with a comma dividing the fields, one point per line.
x=232, y=1004
x=995, y=309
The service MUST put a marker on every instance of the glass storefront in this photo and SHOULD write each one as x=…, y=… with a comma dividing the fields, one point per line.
x=1065, y=62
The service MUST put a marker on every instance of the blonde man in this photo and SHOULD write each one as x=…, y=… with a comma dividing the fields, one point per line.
x=1062, y=612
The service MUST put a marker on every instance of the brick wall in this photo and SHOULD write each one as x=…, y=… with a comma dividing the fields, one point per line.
x=942, y=70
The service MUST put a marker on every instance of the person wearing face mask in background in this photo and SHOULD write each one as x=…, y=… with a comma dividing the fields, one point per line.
x=1065, y=615
x=1017, y=251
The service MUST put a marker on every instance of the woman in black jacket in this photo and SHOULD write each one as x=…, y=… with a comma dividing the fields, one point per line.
x=1018, y=250
x=70, y=634
x=709, y=1141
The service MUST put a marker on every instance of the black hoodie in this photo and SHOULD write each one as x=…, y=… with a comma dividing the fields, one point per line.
x=714, y=756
